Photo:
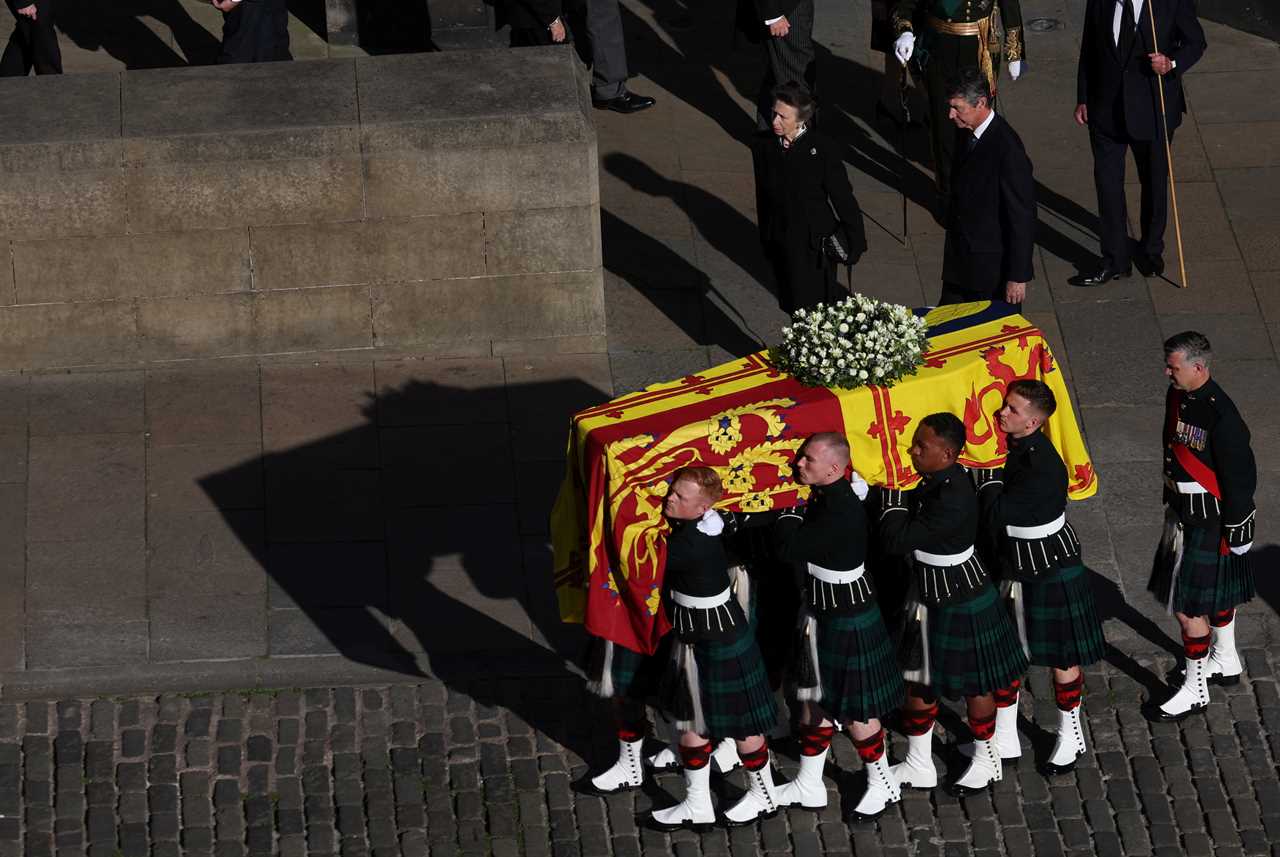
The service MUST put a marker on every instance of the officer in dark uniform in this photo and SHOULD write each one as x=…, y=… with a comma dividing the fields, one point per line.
x=960, y=641
x=846, y=674
x=1202, y=570
x=953, y=35
x=1039, y=565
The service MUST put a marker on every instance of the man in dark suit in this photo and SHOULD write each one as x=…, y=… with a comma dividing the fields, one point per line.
x=991, y=214
x=786, y=28
x=1117, y=97
x=254, y=30
x=34, y=43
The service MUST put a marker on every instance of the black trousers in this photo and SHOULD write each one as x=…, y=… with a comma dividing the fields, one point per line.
x=256, y=31
x=805, y=276
x=789, y=58
x=1108, y=179
x=34, y=44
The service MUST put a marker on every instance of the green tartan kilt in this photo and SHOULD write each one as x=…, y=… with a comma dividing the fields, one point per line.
x=1206, y=582
x=631, y=674
x=973, y=646
x=733, y=688
x=857, y=666
x=1063, y=629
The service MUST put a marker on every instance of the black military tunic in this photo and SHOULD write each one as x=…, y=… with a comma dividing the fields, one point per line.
x=951, y=35
x=1202, y=567
x=969, y=646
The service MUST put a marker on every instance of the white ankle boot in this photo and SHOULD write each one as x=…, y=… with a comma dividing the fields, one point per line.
x=916, y=770
x=882, y=790
x=725, y=757
x=1193, y=696
x=807, y=790
x=1069, y=746
x=760, y=801
x=696, y=810
x=984, y=769
x=666, y=759
x=1224, y=665
x=626, y=773
x=1007, y=743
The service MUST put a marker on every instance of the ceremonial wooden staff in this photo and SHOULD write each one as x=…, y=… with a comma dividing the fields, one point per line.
x=1168, y=150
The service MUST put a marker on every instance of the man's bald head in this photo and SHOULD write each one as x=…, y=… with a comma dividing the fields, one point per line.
x=823, y=459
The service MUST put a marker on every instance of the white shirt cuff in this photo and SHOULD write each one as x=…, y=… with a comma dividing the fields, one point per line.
x=772, y=21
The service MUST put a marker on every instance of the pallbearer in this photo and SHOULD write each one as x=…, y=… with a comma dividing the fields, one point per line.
x=1024, y=511
x=846, y=674
x=1202, y=570
x=960, y=641
x=715, y=686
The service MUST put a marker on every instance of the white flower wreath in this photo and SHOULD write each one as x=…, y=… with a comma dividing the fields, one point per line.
x=853, y=343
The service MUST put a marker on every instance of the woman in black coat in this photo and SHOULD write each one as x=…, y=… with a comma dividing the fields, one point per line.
x=800, y=179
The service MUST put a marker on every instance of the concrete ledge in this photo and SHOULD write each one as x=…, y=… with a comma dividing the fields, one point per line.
x=443, y=202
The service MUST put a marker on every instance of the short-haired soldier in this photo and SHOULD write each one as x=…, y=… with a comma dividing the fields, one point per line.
x=1039, y=564
x=1202, y=570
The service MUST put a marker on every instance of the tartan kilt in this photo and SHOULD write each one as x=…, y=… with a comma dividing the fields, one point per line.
x=631, y=674
x=973, y=646
x=734, y=697
x=1063, y=628
x=857, y=666
x=1204, y=582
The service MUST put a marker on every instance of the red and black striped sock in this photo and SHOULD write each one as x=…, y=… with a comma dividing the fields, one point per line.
x=695, y=758
x=870, y=749
x=919, y=722
x=1067, y=695
x=1196, y=647
x=983, y=728
x=632, y=730
x=814, y=740
x=1006, y=696
x=1222, y=618
x=756, y=759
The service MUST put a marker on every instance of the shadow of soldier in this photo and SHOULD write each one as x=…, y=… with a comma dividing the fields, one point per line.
x=117, y=28
x=394, y=550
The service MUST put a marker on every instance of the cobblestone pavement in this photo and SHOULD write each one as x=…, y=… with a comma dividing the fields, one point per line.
x=418, y=769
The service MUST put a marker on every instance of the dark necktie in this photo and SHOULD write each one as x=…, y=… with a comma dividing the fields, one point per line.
x=973, y=143
x=1127, y=27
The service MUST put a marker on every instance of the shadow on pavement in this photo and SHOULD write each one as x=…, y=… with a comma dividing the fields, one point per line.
x=115, y=27
x=383, y=546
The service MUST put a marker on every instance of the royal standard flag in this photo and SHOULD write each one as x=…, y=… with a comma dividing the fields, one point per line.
x=746, y=419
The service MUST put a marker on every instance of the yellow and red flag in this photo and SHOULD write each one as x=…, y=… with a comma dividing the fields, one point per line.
x=746, y=418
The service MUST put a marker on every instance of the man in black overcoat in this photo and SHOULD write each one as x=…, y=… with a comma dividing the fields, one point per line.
x=991, y=216
x=1117, y=97
x=785, y=27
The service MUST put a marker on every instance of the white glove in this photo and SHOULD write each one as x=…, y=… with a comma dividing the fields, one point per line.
x=1015, y=69
x=1241, y=550
x=904, y=47
x=859, y=484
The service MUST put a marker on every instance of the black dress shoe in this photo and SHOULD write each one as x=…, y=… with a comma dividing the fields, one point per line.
x=1149, y=266
x=627, y=102
x=1156, y=714
x=1102, y=277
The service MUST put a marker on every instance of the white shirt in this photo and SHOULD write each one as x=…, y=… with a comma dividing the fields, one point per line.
x=977, y=132
x=1115, y=18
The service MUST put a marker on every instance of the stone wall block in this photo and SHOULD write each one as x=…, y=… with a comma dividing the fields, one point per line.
x=87, y=333
x=196, y=326
x=56, y=203
x=154, y=265
x=448, y=181
x=421, y=248
x=546, y=239
x=243, y=193
x=312, y=319
x=528, y=306
x=7, y=295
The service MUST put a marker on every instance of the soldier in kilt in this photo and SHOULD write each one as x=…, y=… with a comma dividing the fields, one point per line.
x=959, y=640
x=1041, y=572
x=715, y=684
x=845, y=670
x=1201, y=571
